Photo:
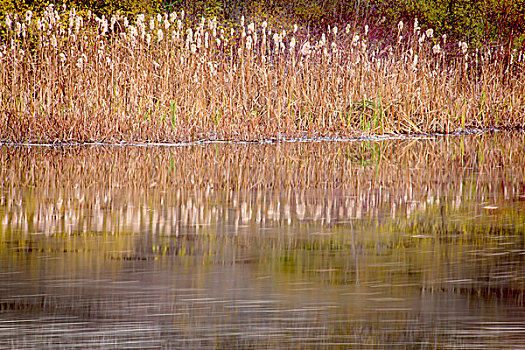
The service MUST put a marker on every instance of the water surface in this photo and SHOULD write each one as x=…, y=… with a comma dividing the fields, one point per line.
x=383, y=244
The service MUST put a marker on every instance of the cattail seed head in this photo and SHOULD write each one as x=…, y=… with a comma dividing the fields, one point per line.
x=78, y=24
x=416, y=26
x=400, y=26
x=18, y=28
x=421, y=39
x=29, y=15
x=414, y=63
x=355, y=39
x=464, y=47
x=436, y=49
x=429, y=33
x=305, y=49
x=151, y=24
x=160, y=35
x=53, y=41
x=295, y=28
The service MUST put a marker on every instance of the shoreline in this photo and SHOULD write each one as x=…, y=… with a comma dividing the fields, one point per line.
x=363, y=138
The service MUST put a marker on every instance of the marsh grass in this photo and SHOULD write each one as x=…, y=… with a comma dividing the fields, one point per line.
x=172, y=77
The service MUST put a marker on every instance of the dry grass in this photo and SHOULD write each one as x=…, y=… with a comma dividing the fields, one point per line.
x=172, y=78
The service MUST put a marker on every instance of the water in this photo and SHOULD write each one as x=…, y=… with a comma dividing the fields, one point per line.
x=386, y=244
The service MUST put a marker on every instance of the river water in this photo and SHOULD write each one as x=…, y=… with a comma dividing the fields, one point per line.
x=416, y=243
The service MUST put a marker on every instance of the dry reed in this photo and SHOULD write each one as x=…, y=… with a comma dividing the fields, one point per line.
x=170, y=77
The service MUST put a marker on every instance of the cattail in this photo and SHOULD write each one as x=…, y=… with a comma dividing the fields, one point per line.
x=305, y=49
x=429, y=33
x=29, y=15
x=151, y=24
x=292, y=43
x=79, y=63
x=276, y=40
x=334, y=31
x=421, y=39
x=436, y=49
x=416, y=26
x=18, y=28
x=133, y=31
x=173, y=16
x=242, y=21
x=104, y=26
x=179, y=24
x=193, y=48
x=113, y=21
x=347, y=29
x=355, y=39
x=167, y=24
x=249, y=43
x=366, y=29
x=62, y=57
x=160, y=35
x=53, y=41
x=251, y=27
x=444, y=37
x=264, y=24
x=414, y=63
x=463, y=46
x=295, y=28
x=182, y=14
x=400, y=26
x=198, y=40
x=78, y=24
x=148, y=38
x=159, y=18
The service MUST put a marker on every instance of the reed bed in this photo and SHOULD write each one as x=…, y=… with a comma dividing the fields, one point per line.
x=174, y=77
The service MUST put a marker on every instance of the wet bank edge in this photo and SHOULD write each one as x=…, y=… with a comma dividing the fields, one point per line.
x=266, y=141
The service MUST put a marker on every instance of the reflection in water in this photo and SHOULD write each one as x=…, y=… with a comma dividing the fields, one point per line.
x=401, y=243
